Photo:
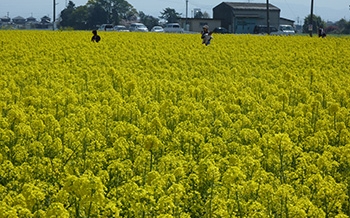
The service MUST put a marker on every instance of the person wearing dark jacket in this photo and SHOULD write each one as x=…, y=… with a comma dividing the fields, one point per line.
x=321, y=32
x=95, y=37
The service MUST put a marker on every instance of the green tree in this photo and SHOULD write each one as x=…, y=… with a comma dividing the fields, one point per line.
x=199, y=14
x=206, y=15
x=75, y=17
x=341, y=23
x=96, y=12
x=80, y=17
x=170, y=15
x=113, y=10
x=344, y=26
x=66, y=15
x=148, y=20
x=97, y=15
x=316, y=23
x=122, y=10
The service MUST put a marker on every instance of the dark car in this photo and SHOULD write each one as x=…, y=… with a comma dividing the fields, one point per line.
x=221, y=30
x=262, y=29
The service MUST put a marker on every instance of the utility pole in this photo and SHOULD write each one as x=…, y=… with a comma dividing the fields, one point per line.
x=311, y=18
x=54, y=14
x=186, y=15
x=268, y=16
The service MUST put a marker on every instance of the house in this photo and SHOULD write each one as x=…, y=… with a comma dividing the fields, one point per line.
x=19, y=20
x=196, y=24
x=5, y=19
x=22, y=23
x=45, y=20
x=239, y=17
x=31, y=23
x=45, y=23
x=31, y=19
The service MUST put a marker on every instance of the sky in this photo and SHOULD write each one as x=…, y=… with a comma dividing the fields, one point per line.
x=297, y=10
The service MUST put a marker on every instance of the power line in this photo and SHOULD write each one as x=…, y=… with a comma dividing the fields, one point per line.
x=290, y=8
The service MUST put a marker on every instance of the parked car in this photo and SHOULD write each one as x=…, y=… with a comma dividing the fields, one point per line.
x=138, y=27
x=173, y=28
x=220, y=29
x=121, y=28
x=262, y=29
x=106, y=27
x=284, y=30
x=157, y=29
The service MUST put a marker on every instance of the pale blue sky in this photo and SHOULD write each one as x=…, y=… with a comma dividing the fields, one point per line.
x=292, y=9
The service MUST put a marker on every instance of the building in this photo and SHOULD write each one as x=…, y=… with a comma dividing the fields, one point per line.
x=31, y=19
x=5, y=19
x=31, y=23
x=196, y=24
x=240, y=17
x=45, y=20
x=285, y=21
x=19, y=20
x=25, y=23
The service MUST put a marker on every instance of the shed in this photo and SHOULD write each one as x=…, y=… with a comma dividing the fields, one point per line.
x=241, y=17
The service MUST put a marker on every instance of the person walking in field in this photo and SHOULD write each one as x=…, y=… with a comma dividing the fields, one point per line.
x=321, y=32
x=206, y=35
x=95, y=37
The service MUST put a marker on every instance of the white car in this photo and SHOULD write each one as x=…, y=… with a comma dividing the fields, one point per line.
x=157, y=29
x=284, y=30
x=138, y=27
x=106, y=27
x=121, y=28
x=173, y=28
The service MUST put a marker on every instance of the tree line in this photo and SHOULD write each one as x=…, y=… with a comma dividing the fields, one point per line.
x=97, y=12
x=339, y=27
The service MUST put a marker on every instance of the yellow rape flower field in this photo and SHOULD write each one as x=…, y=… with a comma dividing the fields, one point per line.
x=159, y=125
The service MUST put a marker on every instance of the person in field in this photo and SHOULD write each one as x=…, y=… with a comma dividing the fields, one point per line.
x=95, y=37
x=206, y=35
x=321, y=32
